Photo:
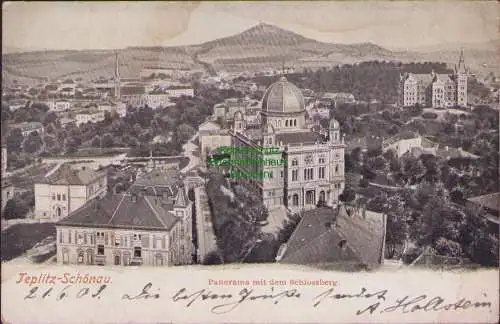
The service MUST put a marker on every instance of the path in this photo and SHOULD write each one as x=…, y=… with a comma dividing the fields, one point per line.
x=188, y=150
x=204, y=228
x=391, y=187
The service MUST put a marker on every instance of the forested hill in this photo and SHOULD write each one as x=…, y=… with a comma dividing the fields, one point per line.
x=366, y=80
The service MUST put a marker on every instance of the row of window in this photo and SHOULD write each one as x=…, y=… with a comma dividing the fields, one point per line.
x=309, y=160
x=59, y=197
x=110, y=239
x=309, y=173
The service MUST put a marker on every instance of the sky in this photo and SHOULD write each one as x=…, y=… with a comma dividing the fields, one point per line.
x=109, y=25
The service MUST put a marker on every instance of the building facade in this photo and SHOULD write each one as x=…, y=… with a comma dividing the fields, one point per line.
x=151, y=225
x=66, y=189
x=299, y=166
x=4, y=160
x=435, y=90
x=90, y=116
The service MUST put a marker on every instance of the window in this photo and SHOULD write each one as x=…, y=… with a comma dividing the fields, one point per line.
x=282, y=174
x=295, y=175
x=145, y=241
x=58, y=197
x=286, y=123
x=117, y=240
x=117, y=259
x=64, y=197
x=154, y=242
x=308, y=159
x=310, y=197
x=60, y=237
x=80, y=257
x=79, y=238
x=336, y=168
x=295, y=200
x=295, y=122
x=270, y=174
x=106, y=239
x=59, y=212
x=137, y=252
x=321, y=160
x=53, y=196
x=321, y=172
x=69, y=237
x=163, y=242
x=308, y=174
x=295, y=162
x=100, y=249
x=322, y=195
x=182, y=233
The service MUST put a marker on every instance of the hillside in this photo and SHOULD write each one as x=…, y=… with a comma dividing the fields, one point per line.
x=260, y=47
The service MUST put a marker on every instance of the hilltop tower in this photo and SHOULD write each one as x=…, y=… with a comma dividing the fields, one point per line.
x=117, y=77
x=461, y=75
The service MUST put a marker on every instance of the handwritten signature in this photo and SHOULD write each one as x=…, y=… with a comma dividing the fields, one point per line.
x=371, y=301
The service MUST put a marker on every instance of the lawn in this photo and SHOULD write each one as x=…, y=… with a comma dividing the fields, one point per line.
x=19, y=238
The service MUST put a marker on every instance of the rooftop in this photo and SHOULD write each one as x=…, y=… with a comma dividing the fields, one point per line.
x=490, y=201
x=65, y=175
x=123, y=211
x=326, y=235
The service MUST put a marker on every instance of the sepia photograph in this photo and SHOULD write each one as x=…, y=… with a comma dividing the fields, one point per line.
x=195, y=162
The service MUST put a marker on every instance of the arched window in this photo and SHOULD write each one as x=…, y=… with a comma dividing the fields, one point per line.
x=295, y=122
x=80, y=256
x=58, y=212
x=286, y=123
x=295, y=200
x=322, y=195
x=336, y=168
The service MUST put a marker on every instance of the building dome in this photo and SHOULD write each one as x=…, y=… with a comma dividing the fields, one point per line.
x=283, y=97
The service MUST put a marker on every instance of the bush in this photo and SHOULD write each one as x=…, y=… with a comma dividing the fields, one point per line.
x=429, y=115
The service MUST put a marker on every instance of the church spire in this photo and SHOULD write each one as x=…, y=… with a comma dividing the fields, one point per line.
x=461, y=63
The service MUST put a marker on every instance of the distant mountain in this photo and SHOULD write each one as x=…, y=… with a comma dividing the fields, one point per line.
x=262, y=34
x=260, y=47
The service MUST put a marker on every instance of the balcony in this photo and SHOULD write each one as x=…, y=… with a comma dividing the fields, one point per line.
x=100, y=259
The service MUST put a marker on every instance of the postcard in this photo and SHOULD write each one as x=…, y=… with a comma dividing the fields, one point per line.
x=250, y=162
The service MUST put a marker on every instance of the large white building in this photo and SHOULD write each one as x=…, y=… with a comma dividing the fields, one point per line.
x=435, y=90
x=151, y=224
x=302, y=166
x=66, y=189
x=89, y=116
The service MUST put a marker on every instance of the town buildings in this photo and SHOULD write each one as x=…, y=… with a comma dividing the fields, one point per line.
x=27, y=128
x=4, y=160
x=490, y=206
x=65, y=189
x=89, y=116
x=212, y=136
x=435, y=90
x=305, y=166
x=151, y=224
x=402, y=143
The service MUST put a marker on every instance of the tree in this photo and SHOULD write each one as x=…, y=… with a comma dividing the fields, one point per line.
x=14, y=140
x=107, y=141
x=15, y=208
x=33, y=143
x=185, y=132
x=212, y=258
x=348, y=195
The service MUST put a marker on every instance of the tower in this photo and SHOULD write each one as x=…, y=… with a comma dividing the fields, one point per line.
x=117, y=78
x=461, y=81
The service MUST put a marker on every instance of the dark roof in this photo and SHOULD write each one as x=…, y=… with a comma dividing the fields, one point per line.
x=299, y=137
x=134, y=90
x=321, y=233
x=123, y=211
x=65, y=175
x=490, y=201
